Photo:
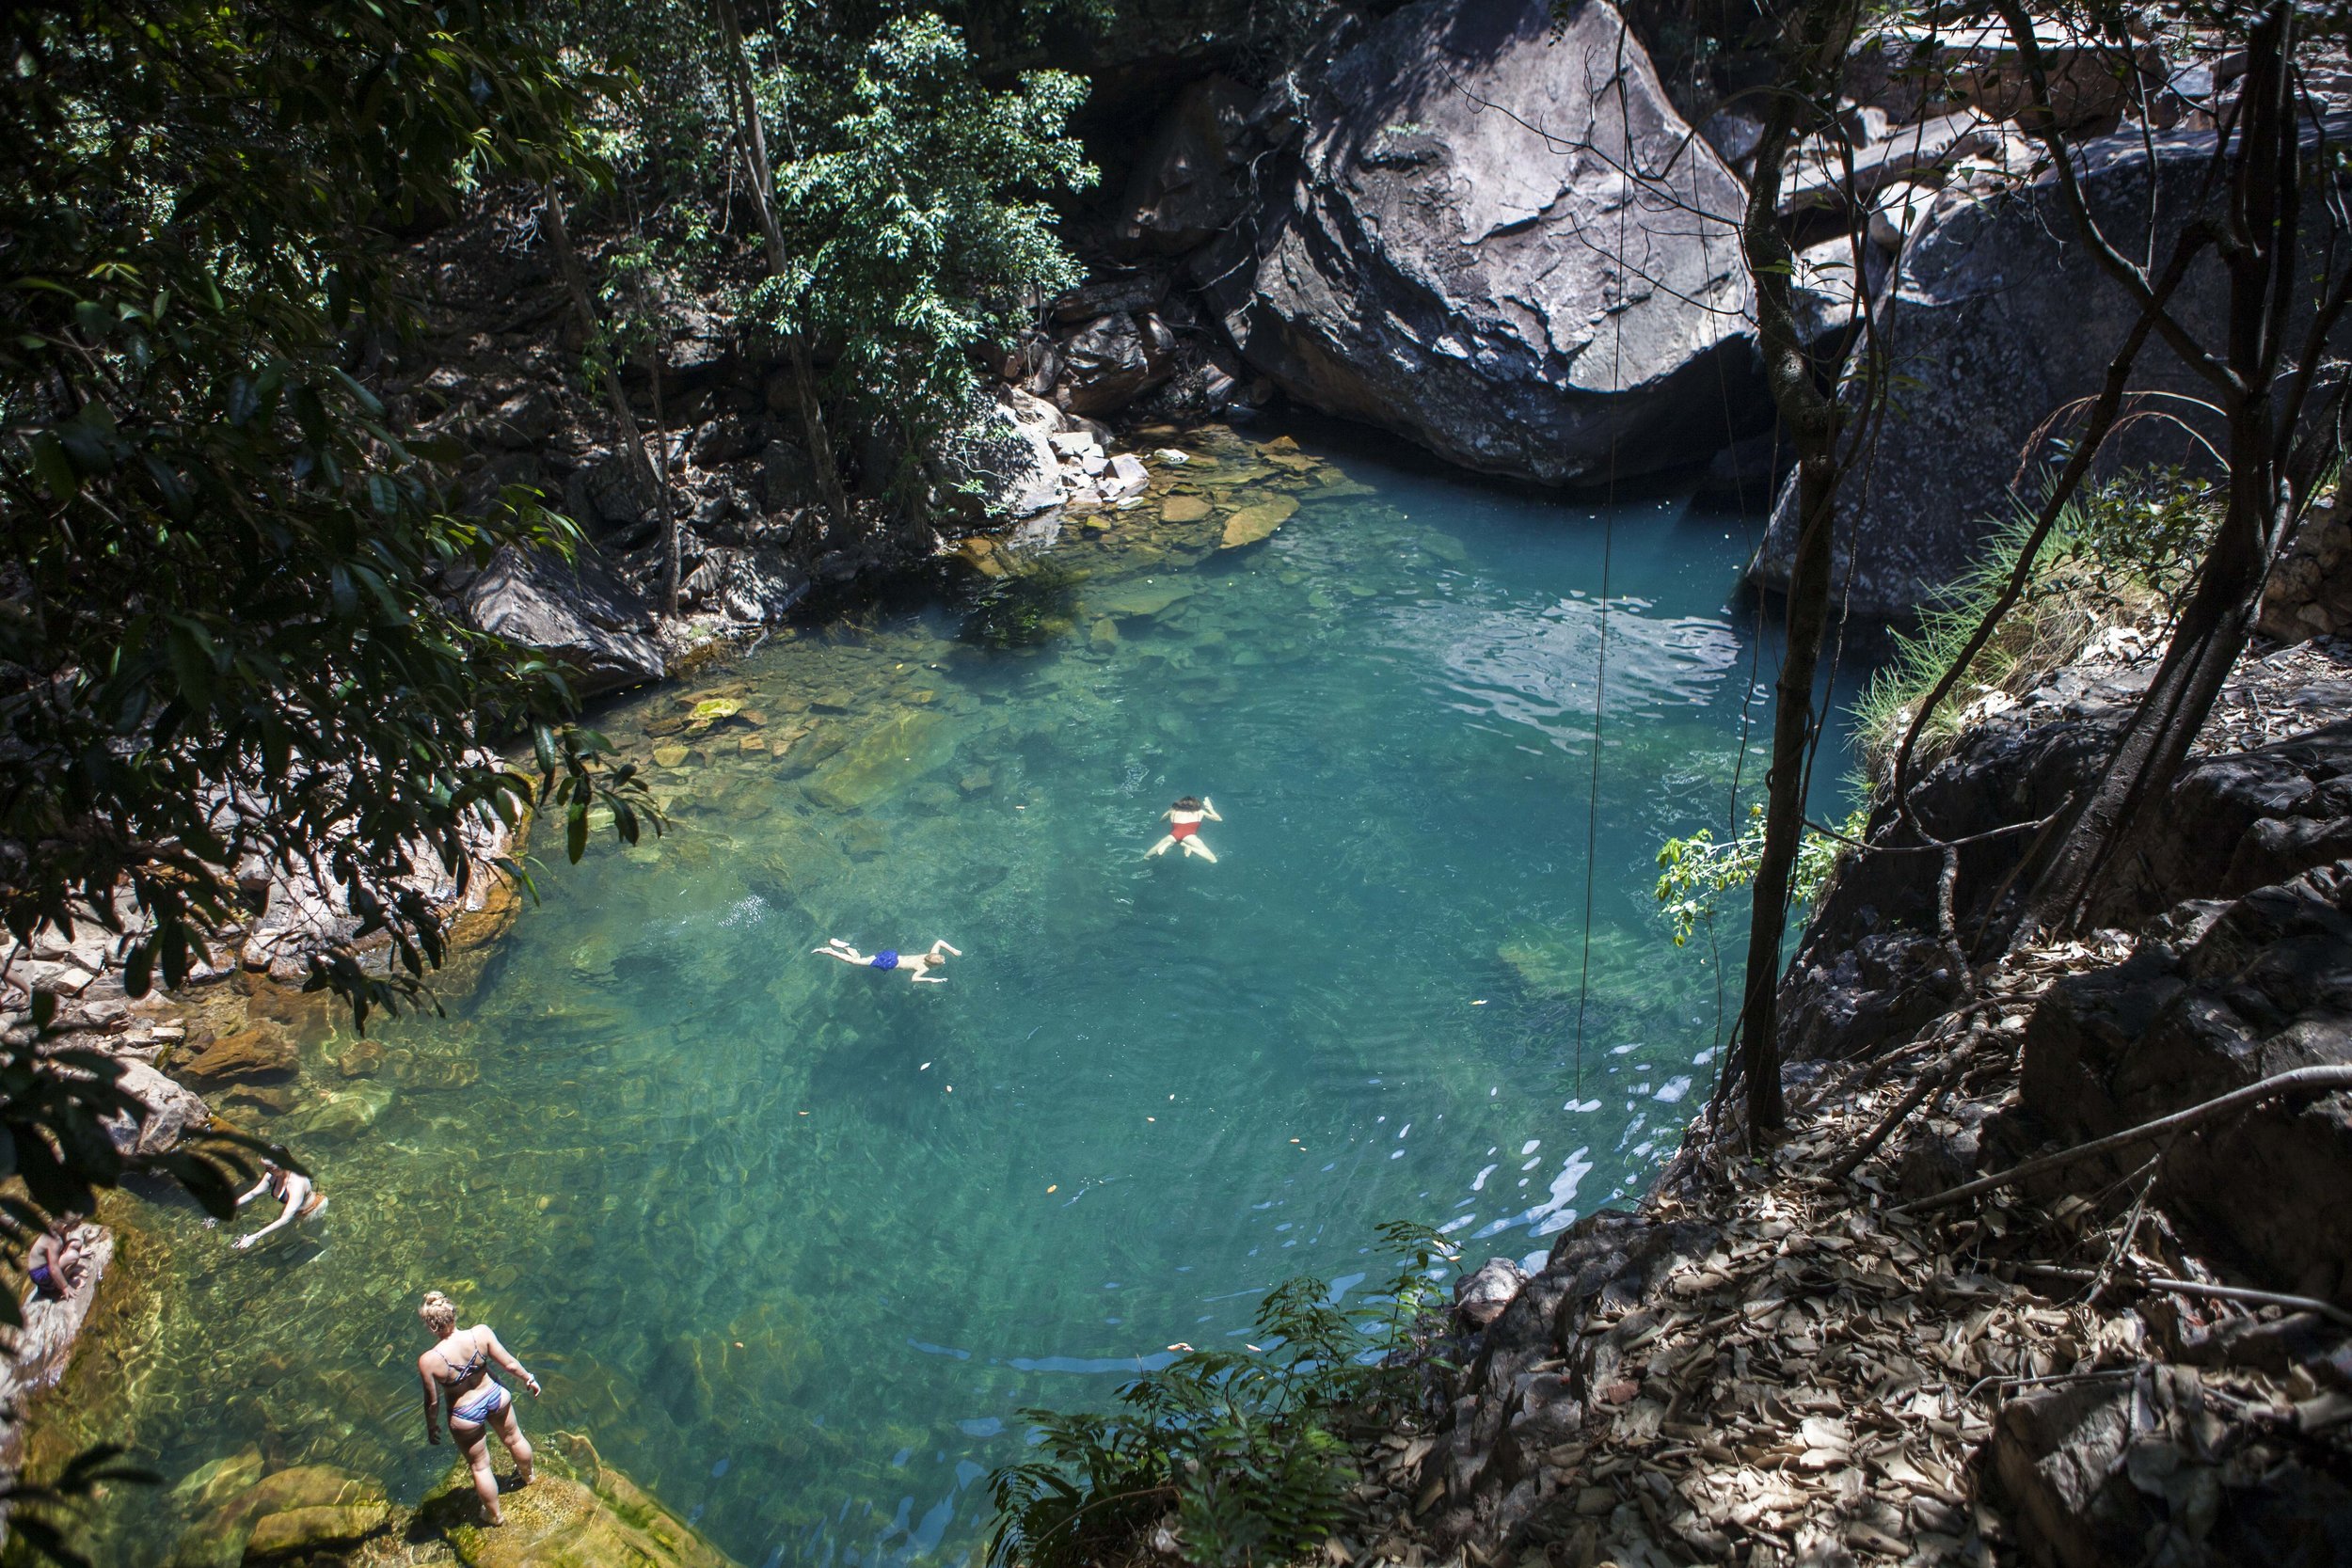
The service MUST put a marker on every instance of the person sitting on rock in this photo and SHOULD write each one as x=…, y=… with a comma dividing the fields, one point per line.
x=1183, y=827
x=297, y=1191
x=458, y=1369
x=55, y=1260
x=919, y=967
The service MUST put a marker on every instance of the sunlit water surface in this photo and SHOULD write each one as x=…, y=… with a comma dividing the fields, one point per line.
x=793, y=1242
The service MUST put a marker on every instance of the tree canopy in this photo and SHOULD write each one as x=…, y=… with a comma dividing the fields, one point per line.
x=220, y=638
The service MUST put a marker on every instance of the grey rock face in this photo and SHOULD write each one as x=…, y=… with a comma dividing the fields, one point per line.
x=1115, y=360
x=1183, y=190
x=577, y=613
x=1480, y=1297
x=1462, y=258
x=1997, y=318
x=2262, y=990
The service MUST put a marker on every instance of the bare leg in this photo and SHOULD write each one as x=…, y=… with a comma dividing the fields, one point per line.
x=1162, y=847
x=510, y=1432
x=941, y=944
x=1194, y=846
x=485, y=1485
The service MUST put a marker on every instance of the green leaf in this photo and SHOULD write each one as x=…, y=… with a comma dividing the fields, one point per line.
x=575, y=832
x=55, y=472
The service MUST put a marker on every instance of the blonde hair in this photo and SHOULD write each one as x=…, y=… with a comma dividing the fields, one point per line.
x=439, y=1312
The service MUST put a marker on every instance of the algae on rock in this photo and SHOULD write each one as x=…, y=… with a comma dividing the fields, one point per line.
x=576, y=1513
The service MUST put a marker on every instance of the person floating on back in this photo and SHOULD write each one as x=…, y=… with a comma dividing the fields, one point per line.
x=1183, y=827
x=919, y=967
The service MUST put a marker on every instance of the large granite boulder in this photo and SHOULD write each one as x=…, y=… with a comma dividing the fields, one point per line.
x=1462, y=258
x=1996, y=319
x=575, y=613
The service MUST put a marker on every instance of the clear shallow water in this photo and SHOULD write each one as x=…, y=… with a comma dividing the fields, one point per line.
x=793, y=1242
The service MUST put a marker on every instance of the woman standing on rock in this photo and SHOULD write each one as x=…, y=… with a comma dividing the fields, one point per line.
x=458, y=1369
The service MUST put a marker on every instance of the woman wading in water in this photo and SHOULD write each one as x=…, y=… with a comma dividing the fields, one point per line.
x=458, y=1369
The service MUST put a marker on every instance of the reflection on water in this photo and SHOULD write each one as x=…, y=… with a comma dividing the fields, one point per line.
x=794, y=1242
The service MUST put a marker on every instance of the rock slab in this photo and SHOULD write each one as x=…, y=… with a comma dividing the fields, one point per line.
x=1997, y=318
x=1460, y=259
x=577, y=612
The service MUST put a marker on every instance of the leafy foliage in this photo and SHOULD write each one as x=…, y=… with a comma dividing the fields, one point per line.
x=224, y=641
x=1248, y=1449
x=1693, y=871
x=220, y=634
x=913, y=202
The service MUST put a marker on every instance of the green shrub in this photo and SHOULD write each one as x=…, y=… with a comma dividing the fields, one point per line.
x=2123, y=554
x=1251, y=1451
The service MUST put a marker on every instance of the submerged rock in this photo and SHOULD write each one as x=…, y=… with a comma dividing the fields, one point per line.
x=1443, y=268
x=876, y=760
x=1253, y=523
x=262, y=1054
x=311, y=1508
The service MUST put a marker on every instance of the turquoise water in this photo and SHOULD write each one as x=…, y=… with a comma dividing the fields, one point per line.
x=794, y=1242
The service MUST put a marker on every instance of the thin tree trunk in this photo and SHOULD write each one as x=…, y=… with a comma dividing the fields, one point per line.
x=1818, y=36
x=752, y=138
x=669, y=510
x=569, y=264
x=2259, y=252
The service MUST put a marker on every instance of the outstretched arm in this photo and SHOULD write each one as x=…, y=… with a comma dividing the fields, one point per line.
x=258, y=1189
x=298, y=1194
x=931, y=979
x=499, y=1354
x=1208, y=809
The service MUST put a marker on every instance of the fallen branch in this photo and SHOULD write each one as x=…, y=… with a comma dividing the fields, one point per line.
x=1944, y=1072
x=2199, y=1288
x=2304, y=1080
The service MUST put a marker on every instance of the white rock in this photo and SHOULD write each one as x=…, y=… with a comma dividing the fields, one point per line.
x=1127, y=476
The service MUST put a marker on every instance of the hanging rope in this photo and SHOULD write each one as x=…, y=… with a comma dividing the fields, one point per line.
x=1608, y=549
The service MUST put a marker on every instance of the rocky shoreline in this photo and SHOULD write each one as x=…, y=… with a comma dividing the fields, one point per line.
x=1799, y=1359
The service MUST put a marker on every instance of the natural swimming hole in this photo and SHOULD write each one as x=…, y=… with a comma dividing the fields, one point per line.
x=794, y=1242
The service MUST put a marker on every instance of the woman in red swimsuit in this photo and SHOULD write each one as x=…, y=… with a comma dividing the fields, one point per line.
x=1183, y=827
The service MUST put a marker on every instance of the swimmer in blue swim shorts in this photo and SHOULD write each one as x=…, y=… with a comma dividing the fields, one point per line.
x=918, y=966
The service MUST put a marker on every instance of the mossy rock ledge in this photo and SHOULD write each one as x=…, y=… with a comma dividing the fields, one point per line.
x=576, y=1513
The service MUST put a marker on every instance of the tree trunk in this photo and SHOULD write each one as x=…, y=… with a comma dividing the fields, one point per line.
x=752, y=138
x=560, y=242
x=1817, y=39
x=669, y=510
x=2259, y=252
